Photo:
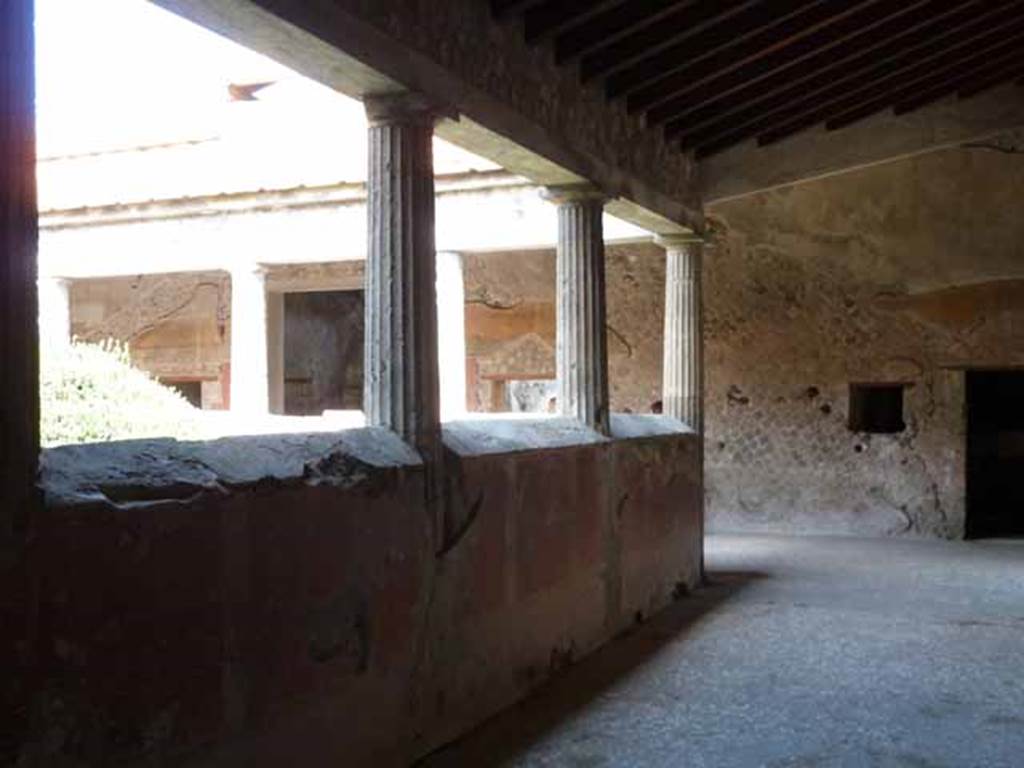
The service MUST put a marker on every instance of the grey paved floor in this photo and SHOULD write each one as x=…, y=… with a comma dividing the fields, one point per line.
x=801, y=652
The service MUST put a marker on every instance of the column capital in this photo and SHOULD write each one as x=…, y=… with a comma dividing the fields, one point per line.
x=677, y=240
x=406, y=108
x=580, y=192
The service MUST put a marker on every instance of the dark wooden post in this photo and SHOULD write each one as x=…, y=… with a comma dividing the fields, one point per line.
x=19, y=335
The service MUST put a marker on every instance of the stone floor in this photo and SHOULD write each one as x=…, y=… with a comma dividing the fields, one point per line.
x=801, y=652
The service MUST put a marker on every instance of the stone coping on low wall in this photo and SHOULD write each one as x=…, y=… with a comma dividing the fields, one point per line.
x=130, y=472
x=154, y=471
x=475, y=437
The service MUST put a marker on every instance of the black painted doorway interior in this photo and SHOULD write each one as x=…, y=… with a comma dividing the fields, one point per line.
x=995, y=454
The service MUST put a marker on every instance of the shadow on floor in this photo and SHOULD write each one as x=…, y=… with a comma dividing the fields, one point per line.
x=509, y=733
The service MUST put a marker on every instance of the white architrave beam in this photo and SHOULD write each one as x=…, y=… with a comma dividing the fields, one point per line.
x=341, y=45
x=473, y=219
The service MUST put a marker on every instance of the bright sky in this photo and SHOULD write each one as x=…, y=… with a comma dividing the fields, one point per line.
x=115, y=74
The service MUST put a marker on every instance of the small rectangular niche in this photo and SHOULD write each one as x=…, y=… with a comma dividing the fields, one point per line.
x=877, y=408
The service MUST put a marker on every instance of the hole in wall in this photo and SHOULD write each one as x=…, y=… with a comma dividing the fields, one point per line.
x=876, y=408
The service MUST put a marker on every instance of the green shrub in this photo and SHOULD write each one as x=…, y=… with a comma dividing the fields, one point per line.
x=92, y=393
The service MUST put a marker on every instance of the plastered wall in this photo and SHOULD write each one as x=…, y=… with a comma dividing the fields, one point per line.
x=908, y=272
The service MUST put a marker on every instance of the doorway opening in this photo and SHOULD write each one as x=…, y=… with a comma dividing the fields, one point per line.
x=323, y=352
x=995, y=454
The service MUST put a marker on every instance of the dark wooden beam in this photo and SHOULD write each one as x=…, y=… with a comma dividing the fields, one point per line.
x=555, y=16
x=884, y=137
x=794, y=117
x=686, y=23
x=650, y=80
x=928, y=90
x=928, y=35
x=613, y=25
x=977, y=86
x=965, y=84
x=718, y=85
x=821, y=71
x=877, y=96
x=19, y=332
x=817, y=42
x=504, y=8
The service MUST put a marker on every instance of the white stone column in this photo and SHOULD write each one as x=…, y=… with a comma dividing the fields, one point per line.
x=582, y=343
x=401, y=369
x=683, y=369
x=250, y=382
x=54, y=313
x=451, y=334
x=275, y=351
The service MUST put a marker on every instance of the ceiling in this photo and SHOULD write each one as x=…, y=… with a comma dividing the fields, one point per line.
x=714, y=73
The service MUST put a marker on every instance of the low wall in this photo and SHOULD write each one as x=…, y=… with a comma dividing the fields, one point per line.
x=273, y=600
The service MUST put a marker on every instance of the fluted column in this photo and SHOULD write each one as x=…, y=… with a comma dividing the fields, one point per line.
x=54, y=313
x=250, y=368
x=451, y=334
x=582, y=344
x=401, y=370
x=683, y=369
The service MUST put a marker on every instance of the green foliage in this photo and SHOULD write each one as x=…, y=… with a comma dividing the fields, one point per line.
x=92, y=393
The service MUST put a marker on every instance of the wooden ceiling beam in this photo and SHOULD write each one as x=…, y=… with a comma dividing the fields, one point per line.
x=717, y=86
x=686, y=23
x=877, y=96
x=657, y=78
x=697, y=125
x=976, y=87
x=788, y=119
x=613, y=25
x=987, y=68
x=502, y=9
x=544, y=21
x=822, y=70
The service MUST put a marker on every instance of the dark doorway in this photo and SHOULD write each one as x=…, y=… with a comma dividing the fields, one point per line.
x=323, y=352
x=995, y=453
